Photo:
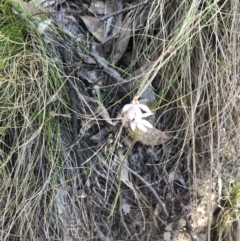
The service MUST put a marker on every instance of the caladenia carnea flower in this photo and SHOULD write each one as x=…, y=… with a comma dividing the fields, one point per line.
x=136, y=115
x=134, y=110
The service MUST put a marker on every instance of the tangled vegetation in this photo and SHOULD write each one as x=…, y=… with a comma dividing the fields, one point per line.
x=71, y=169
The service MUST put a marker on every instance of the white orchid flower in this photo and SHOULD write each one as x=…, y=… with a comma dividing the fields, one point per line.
x=135, y=115
x=141, y=124
x=135, y=109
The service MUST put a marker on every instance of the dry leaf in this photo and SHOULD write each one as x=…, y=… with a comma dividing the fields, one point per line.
x=126, y=208
x=103, y=63
x=44, y=5
x=109, y=29
x=101, y=134
x=95, y=27
x=89, y=74
x=79, y=53
x=102, y=31
x=124, y=171
x=29, y=8
x=113, y=24
x=122, y=41
x=152, y=137
x=49, y=3
x=100, y=111
x=101, y=8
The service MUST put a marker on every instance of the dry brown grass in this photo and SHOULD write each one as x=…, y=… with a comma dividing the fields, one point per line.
x=59, y=184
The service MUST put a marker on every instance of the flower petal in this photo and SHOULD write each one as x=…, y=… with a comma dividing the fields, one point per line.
x=138, y=113
x=131, y=112
x=126, y=107
x=133, y=125
x=141, y=127
x=144, y=108
x=146, y=123
x=146, y=114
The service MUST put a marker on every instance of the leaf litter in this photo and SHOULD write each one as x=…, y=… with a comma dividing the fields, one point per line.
x=153, y=184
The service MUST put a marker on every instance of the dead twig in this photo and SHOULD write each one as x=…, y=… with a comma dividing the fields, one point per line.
x=161, y=203
x=125, y=10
